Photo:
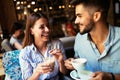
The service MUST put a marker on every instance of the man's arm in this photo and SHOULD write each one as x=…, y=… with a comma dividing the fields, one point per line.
x=104, y=76
x=117, y=76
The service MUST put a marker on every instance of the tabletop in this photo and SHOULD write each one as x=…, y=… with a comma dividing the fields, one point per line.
x=2, y=73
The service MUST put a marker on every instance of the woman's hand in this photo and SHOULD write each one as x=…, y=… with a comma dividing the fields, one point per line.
x=68, y=64
x=42, y=68
x=57, y=53
x=101, y=76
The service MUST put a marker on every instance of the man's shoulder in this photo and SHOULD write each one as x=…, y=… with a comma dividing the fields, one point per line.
x=117, y=28
x=81, y=36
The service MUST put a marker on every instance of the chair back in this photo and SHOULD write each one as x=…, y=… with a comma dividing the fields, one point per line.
x=68, y=43
x=11, y=65
x=6, y=45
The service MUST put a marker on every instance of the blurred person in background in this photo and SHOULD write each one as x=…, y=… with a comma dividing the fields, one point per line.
x=17, y=36
x=70, y=29
x=97, y=40
x=36, y=47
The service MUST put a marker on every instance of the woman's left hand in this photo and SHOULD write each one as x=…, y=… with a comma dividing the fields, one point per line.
x=57, y=53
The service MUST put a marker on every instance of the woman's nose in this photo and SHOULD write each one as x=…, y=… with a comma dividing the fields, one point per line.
x=46, y=28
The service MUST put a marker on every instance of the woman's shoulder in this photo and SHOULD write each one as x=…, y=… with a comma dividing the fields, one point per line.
x=26, y=50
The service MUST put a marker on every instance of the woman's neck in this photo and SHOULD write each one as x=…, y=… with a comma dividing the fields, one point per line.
x=41, y=47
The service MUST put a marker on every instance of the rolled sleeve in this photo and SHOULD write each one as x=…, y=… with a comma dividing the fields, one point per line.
x=26, y=68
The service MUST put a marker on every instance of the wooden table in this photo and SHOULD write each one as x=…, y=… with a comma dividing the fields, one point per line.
x=2, y=73
x=0, y=55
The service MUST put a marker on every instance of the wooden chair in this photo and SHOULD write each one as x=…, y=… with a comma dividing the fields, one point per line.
x=6, y=45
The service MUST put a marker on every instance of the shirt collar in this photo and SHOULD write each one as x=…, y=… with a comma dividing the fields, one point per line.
x=110, y=36
x=33, y=47
x=89, y=37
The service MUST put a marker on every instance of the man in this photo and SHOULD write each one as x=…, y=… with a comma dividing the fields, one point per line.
x=97, y=41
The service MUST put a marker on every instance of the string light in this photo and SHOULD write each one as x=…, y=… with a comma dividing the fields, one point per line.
x=63, y=6
x=40, y=9
x=69, y=6
x=18, y=2
x=60, y=7
x=25, y=11
x=29, y=6
x=33, y=2
x=18, y=7
x=50, y=8
x=21, y=2
x=36, y=9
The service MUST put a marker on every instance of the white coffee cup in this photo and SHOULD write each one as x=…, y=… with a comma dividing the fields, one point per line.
x=79, y=64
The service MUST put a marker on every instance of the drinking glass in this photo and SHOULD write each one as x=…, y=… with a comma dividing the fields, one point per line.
x=51, y=59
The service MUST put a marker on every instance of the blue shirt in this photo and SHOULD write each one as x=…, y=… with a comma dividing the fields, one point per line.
x=109, y=60
x=30, y=58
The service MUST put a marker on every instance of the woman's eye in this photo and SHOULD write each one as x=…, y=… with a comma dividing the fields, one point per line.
x=41, y=27
x=79, y=16
x=48, y=26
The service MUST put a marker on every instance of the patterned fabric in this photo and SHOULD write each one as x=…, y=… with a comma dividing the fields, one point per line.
x=11, y=65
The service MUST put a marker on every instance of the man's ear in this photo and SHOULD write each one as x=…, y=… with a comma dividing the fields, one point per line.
x=97, y=16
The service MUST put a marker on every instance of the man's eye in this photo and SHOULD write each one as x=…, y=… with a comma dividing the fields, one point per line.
x=79, y=16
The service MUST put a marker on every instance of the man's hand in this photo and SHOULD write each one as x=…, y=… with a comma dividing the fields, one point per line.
x=68, y=64
x=101, y=76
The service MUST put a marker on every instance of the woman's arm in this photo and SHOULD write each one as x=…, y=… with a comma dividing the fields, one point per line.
x=62, y=67
x=60, y=58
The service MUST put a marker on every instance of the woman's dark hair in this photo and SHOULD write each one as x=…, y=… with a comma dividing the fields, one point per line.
x=31, y=19
x=100, y=5
x=16, y=26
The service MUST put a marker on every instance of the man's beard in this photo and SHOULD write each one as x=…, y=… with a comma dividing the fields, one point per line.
x=88, y=27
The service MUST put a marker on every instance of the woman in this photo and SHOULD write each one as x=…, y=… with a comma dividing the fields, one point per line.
x=37, y=46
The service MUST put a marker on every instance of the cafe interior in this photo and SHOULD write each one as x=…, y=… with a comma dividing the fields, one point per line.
x=59, y=12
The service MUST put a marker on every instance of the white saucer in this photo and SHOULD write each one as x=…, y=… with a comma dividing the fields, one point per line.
x=84, y=76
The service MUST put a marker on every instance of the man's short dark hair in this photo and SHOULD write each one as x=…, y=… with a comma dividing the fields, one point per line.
x=100, y=5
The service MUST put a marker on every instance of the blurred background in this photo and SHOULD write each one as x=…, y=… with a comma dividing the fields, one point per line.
x=60, y=13
x=61, y=17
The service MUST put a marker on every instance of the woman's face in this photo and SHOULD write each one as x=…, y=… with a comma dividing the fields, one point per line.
x=40, y=30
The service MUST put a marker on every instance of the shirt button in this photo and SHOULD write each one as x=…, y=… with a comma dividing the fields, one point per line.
x=111, y=44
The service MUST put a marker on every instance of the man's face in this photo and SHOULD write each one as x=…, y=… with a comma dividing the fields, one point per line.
x=83, y=19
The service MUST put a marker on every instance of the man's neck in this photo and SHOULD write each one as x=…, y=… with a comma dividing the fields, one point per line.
x=100, y=33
